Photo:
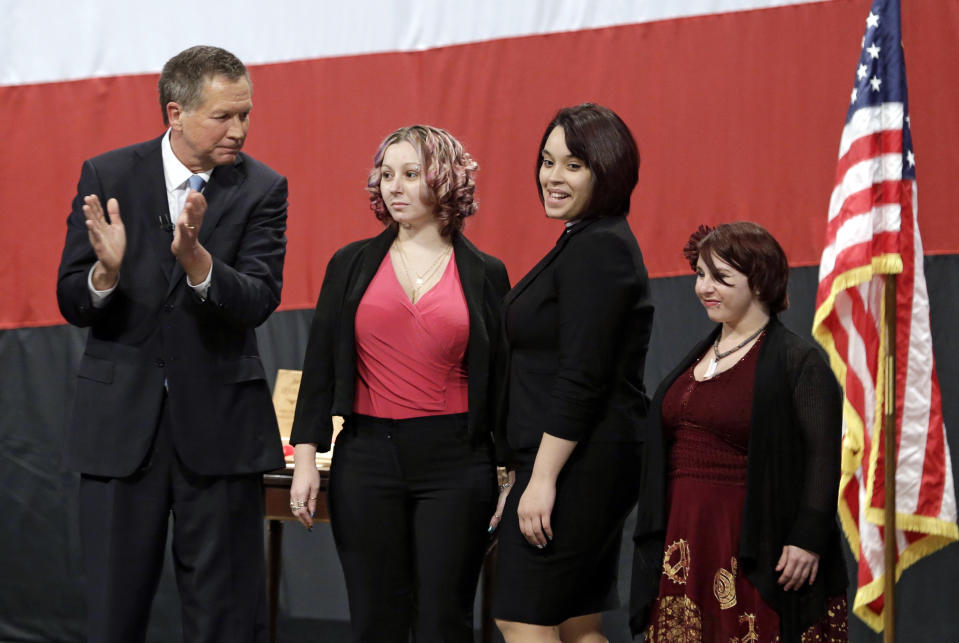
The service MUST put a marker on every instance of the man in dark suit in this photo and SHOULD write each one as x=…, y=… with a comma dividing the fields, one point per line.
x=173, y=411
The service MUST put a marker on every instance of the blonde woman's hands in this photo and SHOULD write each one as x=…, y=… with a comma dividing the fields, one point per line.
x=506, y=483
x=797, y=566
x=306, y=484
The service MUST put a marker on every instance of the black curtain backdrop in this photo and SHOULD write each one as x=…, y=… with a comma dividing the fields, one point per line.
x=41, y=578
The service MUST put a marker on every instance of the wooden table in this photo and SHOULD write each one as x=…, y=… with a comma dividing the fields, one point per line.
x=276, y=501
x=276, y=495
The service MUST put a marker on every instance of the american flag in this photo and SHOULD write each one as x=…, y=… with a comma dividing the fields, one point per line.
x=872, y=232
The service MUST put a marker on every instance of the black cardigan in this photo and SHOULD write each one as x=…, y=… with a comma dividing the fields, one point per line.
x=329, y=367
x=792, y=482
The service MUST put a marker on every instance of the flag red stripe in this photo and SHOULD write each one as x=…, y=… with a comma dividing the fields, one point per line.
x=932, y=486
x=867, y=326
x=856, y=255
x=863, y=201
x=867, y=147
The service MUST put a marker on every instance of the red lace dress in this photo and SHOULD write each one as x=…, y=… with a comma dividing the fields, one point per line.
x=702, y=595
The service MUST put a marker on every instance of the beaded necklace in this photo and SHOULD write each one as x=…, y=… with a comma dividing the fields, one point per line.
x=714, y=362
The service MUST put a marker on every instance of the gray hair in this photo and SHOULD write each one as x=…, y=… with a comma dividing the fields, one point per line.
x=184, y=75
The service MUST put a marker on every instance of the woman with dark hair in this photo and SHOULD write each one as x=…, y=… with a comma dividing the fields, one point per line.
x=577, y=328
x=402, y=346
x=751, y=420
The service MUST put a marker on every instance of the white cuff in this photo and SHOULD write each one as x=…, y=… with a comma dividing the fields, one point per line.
x=202, y=288
x=99, y=297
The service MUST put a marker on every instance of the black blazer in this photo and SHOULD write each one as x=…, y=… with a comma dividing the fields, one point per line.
x=154, y=329
x=578, y=328
x=329, y=368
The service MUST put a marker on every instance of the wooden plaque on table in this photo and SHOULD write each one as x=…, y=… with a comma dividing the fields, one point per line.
x=285, y=390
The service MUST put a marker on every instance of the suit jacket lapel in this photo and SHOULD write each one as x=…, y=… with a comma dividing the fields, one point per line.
x=472, y=272
x=219, y=193
x=148, y=199
x=537, y=269
x=369, y=264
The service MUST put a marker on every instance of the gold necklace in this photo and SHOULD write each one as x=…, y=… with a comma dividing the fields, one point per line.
x=420, y=278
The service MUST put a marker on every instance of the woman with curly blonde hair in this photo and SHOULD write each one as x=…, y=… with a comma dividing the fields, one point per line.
x=401, y=346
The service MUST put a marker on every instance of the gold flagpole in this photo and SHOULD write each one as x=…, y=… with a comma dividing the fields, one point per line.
x=889, y=471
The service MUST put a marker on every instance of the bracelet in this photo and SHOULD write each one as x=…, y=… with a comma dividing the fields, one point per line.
x=505, y=486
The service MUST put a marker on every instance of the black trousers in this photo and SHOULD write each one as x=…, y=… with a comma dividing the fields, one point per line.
x=218, y=549
x=410, y=503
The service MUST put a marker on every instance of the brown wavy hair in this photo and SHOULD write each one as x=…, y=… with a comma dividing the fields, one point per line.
x=447, y=171
x=749, y=248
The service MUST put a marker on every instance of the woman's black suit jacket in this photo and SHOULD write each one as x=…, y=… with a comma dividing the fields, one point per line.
x=578, y=327
x=329, y=367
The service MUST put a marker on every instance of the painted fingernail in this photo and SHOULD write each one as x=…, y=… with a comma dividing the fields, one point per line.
x=490, y=530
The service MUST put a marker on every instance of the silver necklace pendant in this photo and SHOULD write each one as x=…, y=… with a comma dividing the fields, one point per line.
x=711, y=369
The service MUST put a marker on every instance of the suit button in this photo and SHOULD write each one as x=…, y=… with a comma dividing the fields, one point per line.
x=167, y=307
x=159, y=363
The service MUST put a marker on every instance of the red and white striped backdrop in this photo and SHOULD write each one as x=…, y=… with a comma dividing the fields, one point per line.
x=735, y=104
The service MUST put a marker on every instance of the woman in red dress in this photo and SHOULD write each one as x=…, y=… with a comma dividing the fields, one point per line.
x=751, y=422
